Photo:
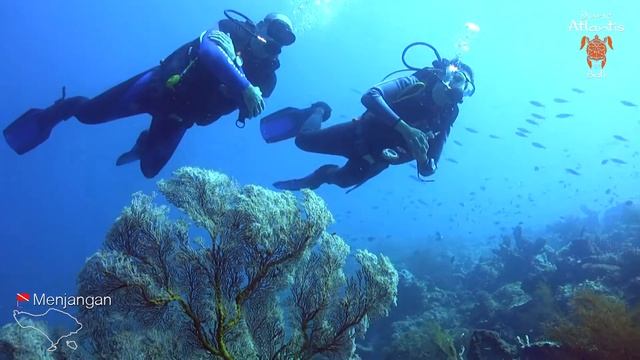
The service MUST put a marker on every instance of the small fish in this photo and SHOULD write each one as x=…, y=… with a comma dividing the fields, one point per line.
x=536, y=168
x=608, y=191
x=620, y=137
x=521, y=134
x=494, y=136
x=457, y=142
x=537, y=116
x=572, y=172
x=576, y=90
x=628, y=202
x=471, y=130
x=452, y=160
x=628, y=103
x=370, y=238
x=604, y=161
x=532, y=122
x=538, y=145
x=536, y=103
x=523, y=130
x=560, y=100
x=563, y=115
x=618, y=161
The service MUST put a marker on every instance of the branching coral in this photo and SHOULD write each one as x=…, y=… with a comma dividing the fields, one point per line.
x=600, y=326
x=267, y=254
x=421, y=339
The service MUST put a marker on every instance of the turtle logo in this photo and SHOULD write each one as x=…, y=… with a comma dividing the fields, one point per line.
x=596, y=49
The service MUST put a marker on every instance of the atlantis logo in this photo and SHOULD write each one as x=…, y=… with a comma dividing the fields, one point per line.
x=596, y=30
x=595, y=22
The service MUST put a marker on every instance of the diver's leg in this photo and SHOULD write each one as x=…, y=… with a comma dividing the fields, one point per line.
x=122, y=100
x=160, y=143
x=321, y=176
x=34, y=126
x=354, y=173
x=340, y=139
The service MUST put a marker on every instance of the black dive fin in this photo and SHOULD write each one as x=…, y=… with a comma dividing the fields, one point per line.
x=34, y=126
x=128, y=157
x=29, y=130
x=135, y=153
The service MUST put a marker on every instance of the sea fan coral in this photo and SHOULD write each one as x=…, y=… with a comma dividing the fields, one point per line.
x=266, y=282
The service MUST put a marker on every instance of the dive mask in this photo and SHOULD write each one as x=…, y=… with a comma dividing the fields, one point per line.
x=280, y=30
x=271, y=47
x=458, y=81
x=279, y=33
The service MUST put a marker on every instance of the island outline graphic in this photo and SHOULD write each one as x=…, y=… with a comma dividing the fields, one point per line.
x=54, y=344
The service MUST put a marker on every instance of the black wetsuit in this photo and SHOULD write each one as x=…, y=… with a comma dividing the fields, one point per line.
x=210, y=86
x=363, y=140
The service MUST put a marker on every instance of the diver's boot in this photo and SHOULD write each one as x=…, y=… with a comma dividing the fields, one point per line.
x=321, y=176
x=319, y=113
x=34, y=126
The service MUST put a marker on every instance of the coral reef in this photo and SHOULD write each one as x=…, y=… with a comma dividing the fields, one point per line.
x=586, y=265
x=17, y=343
x=420, y=339
x=600, y=327
x=263, y=281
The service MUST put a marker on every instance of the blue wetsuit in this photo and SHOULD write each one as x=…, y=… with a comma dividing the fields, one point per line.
x=210, y=86
x=362, y=141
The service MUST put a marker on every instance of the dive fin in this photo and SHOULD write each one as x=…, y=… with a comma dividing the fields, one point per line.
x=283, y=124
x=128, y=157
x=135, y=153
x=28, y=131
x=289, y=122
x=34, y=126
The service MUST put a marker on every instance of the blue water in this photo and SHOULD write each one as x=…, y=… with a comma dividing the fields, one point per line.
x=58, y=201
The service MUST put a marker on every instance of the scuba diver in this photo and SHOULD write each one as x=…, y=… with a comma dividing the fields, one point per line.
x=223, y=70
x=407, y=118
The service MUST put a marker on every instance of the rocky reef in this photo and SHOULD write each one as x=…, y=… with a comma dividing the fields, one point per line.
x=570, y=292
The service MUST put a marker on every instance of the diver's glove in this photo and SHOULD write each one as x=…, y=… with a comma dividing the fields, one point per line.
x=224, y=42
x=417, y=142
x=253, y=101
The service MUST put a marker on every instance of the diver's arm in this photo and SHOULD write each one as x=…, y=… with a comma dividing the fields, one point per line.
x=222, y=67
x=378, y=98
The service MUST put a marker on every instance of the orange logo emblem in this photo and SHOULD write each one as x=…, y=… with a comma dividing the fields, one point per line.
x=596, y=49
